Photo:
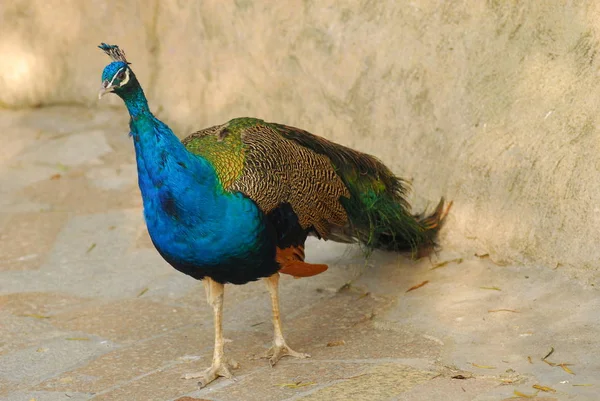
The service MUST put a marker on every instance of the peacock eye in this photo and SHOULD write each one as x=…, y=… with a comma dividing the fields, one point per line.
x=121, y=75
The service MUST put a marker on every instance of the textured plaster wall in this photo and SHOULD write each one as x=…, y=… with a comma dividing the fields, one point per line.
x=490, y=103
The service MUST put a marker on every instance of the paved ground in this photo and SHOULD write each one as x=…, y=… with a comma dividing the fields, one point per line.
x=88, y=310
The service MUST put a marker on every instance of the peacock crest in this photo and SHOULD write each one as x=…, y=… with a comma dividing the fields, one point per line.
x=114, y=52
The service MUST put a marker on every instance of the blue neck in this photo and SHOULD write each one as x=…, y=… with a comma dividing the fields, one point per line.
x=163, y=162
x=196, y=226
x=154, y=140
x=136, y=102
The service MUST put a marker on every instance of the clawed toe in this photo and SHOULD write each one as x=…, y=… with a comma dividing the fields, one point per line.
x=276, y=352
x=219, y=369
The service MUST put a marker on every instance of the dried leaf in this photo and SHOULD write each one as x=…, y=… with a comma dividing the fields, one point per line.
x=483, y=366
x=564, y=367
x=446, y=262
x=62, y=167
x=414, y=287
x=35, y=316
x=461, y=377
x=77, y=339
x=336, y=343
x=520, y=394
x=487, y=256
x=549, y=353
x=142, y=292
x=529, y=359
x=583, y=385
x=191, y=399
x=55, y=176
x=503, y=310
x=544, y=388
x=91, y=248
x=41, y=350
x=491, y=288
x=352, y=377
x=296, y=385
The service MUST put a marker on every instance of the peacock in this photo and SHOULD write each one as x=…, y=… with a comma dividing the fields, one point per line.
x=235, y=202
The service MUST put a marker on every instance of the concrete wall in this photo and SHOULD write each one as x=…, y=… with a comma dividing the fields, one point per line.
x=492, y=104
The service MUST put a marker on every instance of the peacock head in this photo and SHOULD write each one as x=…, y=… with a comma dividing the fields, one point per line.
x=117, y=77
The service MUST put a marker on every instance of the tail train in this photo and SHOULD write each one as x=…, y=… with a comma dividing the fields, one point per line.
x=421, y=242
x=378, y=211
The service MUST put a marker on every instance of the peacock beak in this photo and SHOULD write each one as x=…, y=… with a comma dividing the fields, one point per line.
x=104, y=89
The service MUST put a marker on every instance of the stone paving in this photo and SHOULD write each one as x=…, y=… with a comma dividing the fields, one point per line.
x=89, y=310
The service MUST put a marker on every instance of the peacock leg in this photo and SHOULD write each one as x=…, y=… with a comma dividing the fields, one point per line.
x=220, y=365
x=279, y=348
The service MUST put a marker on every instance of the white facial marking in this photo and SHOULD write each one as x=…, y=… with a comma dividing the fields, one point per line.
x=115, y=77
x=123, y=82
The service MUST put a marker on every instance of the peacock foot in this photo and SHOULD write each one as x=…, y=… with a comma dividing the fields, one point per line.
x=218, y=369
x=276, y=352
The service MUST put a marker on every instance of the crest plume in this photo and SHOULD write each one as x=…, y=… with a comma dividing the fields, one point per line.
x=114, y=52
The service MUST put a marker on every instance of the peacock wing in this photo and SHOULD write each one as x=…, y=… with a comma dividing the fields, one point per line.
x=258, y=160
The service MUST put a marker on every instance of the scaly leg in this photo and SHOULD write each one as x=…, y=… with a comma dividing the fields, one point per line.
x=279, y=348
x=220, y=366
